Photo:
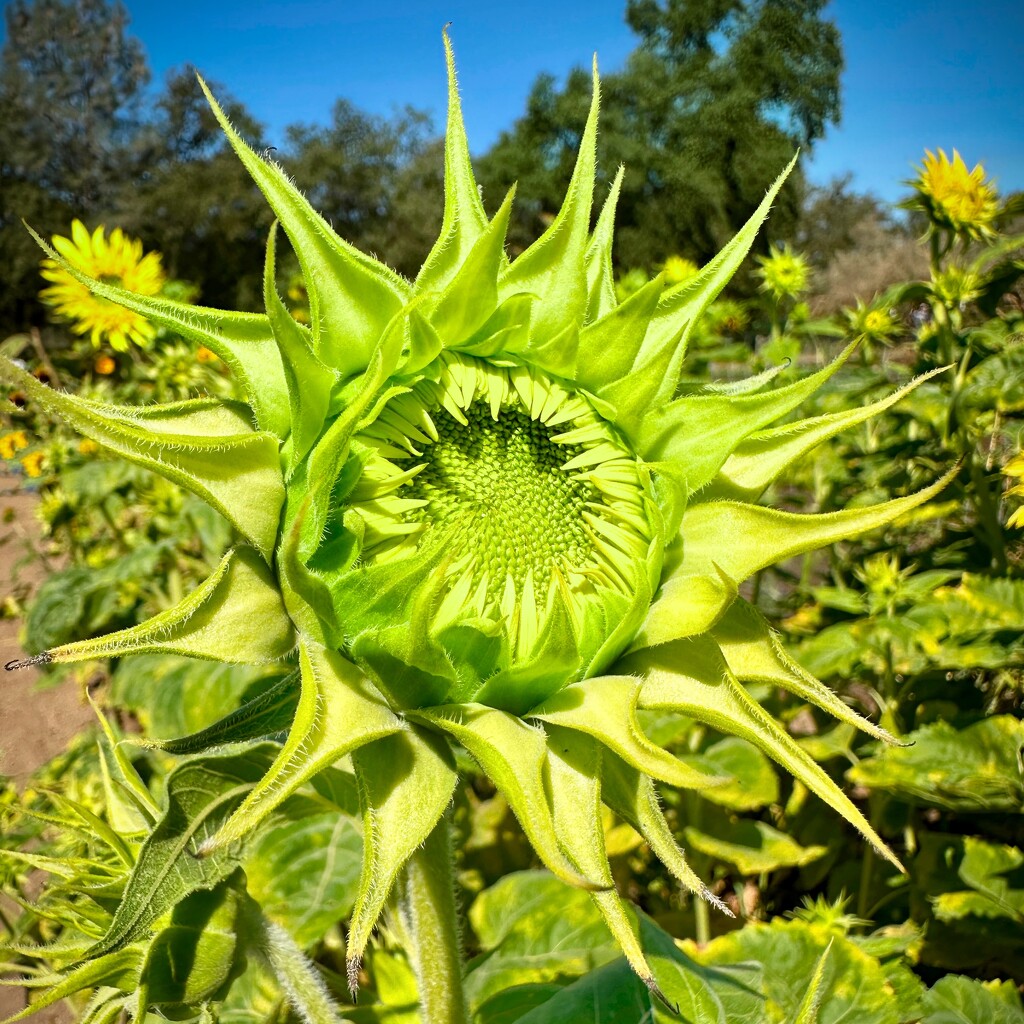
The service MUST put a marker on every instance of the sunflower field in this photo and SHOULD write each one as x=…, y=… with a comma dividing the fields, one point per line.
x=530, y=640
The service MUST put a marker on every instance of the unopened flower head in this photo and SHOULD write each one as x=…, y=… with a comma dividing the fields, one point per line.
x=678, y=269
x=117, y=260
x=784, y=274
x=874, y=322
x=475, y=511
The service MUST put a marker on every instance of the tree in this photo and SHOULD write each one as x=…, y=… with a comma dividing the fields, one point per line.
x=193, y=199
x=377, y=180
x=71, y=89
x=710, y=107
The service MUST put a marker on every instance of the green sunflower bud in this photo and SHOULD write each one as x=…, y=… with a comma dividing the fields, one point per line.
x=480, y=510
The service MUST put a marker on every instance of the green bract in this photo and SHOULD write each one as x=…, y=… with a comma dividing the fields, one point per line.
x=478, y=508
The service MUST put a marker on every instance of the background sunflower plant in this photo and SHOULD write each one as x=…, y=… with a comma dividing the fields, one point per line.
x=477, y=516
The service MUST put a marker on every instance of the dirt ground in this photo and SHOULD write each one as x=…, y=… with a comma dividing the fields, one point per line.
x=34, y=725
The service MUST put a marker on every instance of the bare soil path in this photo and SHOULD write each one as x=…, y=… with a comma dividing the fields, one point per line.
x=35, y=725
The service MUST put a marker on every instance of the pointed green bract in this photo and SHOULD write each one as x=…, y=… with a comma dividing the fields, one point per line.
x=605, y=709
x=761, y=458
x=631, y=795
x=351, y=295
x=406, y=781
x=574, y=773
x=680, y=309
x=464, y=217
x=755, y=654
x=553, y=267
x=513, y=755
x=243, y=340
x=239, y=475
x=235, y=615
x=692, y=678
x=601, y=298
x=699, y=432
x=310, y=382
x=338, y=712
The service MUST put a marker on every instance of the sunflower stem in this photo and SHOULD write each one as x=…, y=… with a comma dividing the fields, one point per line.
x=430, y=914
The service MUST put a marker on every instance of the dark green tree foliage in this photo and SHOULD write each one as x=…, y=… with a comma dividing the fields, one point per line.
x=193, y=200
x=363, y=173
x=708, y=110
x=80, y=138
x=832, y=216
x=71, y=85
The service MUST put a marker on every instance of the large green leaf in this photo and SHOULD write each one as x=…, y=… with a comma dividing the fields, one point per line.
x=697, y=994
x=984, y=869
x=958, y=1000
x=534, y=930
x=753, y=846
x=200, y=796
x=854, y=986
x=303, y=869
x=973, y=769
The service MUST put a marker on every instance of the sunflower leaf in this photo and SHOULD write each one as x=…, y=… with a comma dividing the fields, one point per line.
x=269, y=713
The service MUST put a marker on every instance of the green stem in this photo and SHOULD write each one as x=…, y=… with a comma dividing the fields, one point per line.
x=430, y=915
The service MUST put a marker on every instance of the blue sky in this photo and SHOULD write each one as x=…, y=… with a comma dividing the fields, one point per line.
x=918, y=74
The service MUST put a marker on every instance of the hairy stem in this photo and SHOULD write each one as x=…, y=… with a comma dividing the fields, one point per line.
x=430, y=915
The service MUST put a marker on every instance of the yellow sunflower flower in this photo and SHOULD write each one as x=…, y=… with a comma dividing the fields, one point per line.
x=11, y=443
x=118, y=260
x=33, y=463
x=1014, y=469
x=954, y=197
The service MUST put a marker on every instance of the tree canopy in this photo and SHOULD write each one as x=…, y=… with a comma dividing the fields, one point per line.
x=710, y=107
